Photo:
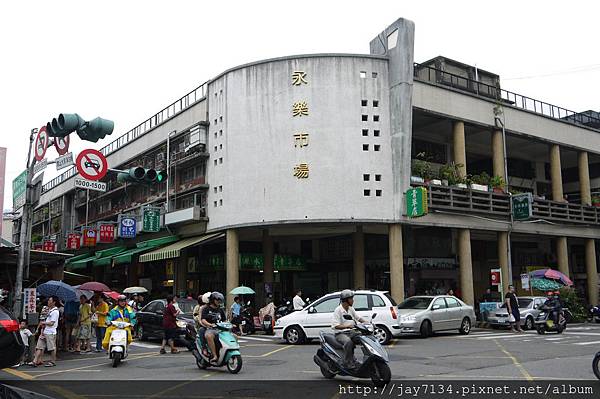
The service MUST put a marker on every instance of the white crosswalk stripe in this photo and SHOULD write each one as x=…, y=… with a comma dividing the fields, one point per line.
x=587, y=343
x=574, y=336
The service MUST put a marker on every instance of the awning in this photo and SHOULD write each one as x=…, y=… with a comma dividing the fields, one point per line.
x=96, y=258
x=78, y=257
x=126, y=257
x=81, y=263
x=174, y=250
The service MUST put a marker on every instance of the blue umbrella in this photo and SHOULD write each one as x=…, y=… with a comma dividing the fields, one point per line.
x=63, y=291
x=241, y=290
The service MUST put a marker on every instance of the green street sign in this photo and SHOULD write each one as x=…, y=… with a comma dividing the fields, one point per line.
x=151, y=220
x=19, y=188
x=416, y=202
x=522, y=208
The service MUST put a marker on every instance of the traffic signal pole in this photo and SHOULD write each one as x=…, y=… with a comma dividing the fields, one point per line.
x=25, y=233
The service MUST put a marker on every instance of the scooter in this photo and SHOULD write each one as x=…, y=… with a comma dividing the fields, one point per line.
x=227, y=347
x=544, y=324
x=595, y=363
x=374, y=364
x=117, y=344
x=594, y=314
x=283, y=310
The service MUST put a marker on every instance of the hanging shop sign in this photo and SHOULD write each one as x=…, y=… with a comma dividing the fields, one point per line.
x=525, y=281
x=127, y=226
x=151, y=219
x=90, y=237
x=106, y=233
x=416, y=202
x=73, y=241
x=289, y=263
x=522, y=207
x=29, y=297
x=49, y=246
x=495, y=278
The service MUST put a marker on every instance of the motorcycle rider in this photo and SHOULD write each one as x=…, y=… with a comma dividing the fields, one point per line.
x=343, y=328
x=121, y=312
x=553, y=306
x=212, y=314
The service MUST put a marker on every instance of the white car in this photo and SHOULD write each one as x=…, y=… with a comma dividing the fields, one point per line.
x=298, y=326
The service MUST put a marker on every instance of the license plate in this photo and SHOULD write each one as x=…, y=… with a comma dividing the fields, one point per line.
x=501, y=320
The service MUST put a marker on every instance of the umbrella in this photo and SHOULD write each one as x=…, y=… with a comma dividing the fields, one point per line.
x=543, y=284
x=552, y=275
x=63, y=291
x=112, y=294
x=135, y=290
x=94, y=286
x=241, y=290
x=79, y=292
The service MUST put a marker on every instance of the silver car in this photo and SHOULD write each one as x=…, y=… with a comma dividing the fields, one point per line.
x=528, y=309
x=425, y=315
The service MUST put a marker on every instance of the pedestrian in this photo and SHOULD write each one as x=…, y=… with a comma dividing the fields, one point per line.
x=71, y=315
x=133, y=302
x=170, y=325
x=25, y=334
x=47, y=339
x=298, y=302
x=236, y=313
x=512, y=305
x=101, y=313
x=487, y=296
x=85, y=326
x=450, y=292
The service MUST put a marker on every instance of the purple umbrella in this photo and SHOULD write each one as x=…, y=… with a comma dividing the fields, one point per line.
x=551, y=274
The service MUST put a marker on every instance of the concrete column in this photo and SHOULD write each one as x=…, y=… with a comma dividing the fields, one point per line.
x=358, y=249
x=180, y=274
x=465, y=266
x=503, y=259
x=458, y=145
x=555, y=173
x=591, y=271
x=562, y=255
x=268, y=254
x=498, y=154
x=584, y=178
x=396, y=262
x=232, y=263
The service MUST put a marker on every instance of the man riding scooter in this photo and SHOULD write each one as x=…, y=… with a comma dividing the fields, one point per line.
x=554, y=306
x=343, y=327
x=121, y=312
x=211, y=315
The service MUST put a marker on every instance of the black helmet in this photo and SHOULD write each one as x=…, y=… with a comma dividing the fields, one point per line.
x=216, y=296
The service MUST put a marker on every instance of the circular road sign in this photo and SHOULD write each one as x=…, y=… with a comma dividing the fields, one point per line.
x=62, y=145
x=91, y=164
x=41, y=144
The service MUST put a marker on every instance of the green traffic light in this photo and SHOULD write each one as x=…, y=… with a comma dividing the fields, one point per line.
x=161, y=176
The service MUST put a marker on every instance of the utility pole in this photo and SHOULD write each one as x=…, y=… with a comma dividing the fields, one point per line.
x=169, y=167
x=25, y=233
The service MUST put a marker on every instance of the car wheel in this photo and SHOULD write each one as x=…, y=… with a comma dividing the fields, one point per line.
x=465, y=326
x=142, y=333
x=529, y=324
x=425, y=329
x=294, y=335
x=382, y=334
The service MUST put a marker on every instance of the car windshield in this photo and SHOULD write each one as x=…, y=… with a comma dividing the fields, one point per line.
x=415, y=303
x=523, y=303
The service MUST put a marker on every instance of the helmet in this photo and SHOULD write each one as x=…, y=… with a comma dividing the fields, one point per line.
x=346, y=294
x=206, y=297
x=216, y=296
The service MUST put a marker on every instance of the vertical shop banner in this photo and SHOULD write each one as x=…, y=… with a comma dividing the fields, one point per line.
x=49, y=246
x=495, y=277
x=151, y=219
x=416, y=202
x=170, y=269
x=18, y=190
x=29, y=297
x=73, y=241
x=127, y=227
x=90, y=237
x=525, y=281
x=107, y=233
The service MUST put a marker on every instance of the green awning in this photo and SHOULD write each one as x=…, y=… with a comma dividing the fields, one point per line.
x=81, y=263
x=104, y=257
x=127, y=256
x=78, y=257
x=174, y=250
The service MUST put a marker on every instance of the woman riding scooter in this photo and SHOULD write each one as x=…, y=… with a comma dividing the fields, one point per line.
x=121, y=312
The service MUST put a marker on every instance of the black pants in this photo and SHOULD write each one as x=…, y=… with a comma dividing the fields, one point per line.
x=347, y=339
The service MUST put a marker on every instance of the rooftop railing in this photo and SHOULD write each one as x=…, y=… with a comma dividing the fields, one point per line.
x=429, y=74
x=162, y=116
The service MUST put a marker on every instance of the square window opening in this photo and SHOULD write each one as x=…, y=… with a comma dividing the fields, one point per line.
x=364, y=103
x=221, y=202
x=367, y=193
x=365, y=132
x=365, y=147
x=366, y=177
x=375, y=118
x=374, y=75
x=375, y=103
x=378, y=193
x=220, y=160
x=365, y=118
x=376, y=147
x=363, y=74
x=376, y=133
x=377, y=177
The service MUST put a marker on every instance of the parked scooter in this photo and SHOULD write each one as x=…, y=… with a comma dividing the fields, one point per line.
x=284, y=310
x=227, y=347
x=374, y=364
x=595, y=365
x=117, y=345
x=544, y=323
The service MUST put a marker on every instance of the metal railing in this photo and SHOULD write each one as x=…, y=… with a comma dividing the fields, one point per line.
x=162, y=116
x=433, y=75
x=564, y=212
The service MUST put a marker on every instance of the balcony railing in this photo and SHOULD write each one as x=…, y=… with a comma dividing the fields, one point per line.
x=433, y=75
x=565, y=212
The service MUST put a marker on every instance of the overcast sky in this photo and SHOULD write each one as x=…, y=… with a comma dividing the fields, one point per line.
x=126, y=60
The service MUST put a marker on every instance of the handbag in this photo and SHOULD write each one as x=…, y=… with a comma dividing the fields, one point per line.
x=511, y=318
x=94, y=318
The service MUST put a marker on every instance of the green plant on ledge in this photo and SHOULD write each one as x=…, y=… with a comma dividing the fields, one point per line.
x=421, y=167
x=483, y=178
x=497, y=183
x=451, y=173
x=595, y=200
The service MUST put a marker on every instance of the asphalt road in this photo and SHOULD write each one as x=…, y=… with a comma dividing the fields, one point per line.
x=484, y=354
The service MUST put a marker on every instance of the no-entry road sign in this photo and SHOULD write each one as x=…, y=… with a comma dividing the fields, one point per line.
x=62, y=144
x=91, y=164
x=41, y=144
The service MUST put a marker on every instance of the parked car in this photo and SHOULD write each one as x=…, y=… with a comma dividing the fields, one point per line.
x=11, y=345
x=426, y=315
x=302, y=325
x=150, y=320
x=528, y=309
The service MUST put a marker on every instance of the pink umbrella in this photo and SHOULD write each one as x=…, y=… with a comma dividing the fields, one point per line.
x=94, y=286
x=552, y=275
x=112, y=294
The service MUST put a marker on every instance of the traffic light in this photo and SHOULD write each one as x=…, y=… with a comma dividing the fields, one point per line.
x=141, y=175
x=93, y=130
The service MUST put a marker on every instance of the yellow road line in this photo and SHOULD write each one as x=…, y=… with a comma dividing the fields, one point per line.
x=19, y=374
x=525, y=373
x=174, y=387
x=270, y=353
x=64, y=392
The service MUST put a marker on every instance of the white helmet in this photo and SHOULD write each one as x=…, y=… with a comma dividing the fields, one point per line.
x=205, y=297
x=345, y=294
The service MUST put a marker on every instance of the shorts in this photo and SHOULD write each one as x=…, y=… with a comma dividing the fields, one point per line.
x=85, y=331
x=171, y=333
x=46, y=342
x=517, y=314
x=214, y=331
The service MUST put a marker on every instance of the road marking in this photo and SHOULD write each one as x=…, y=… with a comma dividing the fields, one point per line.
x=258, y=339
x=19, y=374
x=515, y=361
x=270, y=353
x=482, y=337
x=141, y=345
x=554, y=339
x=583, y=333
x=182, y=384
x=64, y=392
x=587, y=343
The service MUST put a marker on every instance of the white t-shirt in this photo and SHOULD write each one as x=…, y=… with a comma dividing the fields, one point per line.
x=25, y=334
x=53, y=315
x=338, y=317
x=298, y=303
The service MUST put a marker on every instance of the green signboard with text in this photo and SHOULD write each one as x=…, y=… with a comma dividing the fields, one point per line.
x=416, y=202
x=151, y=219
x=522, y=206
x=19, y=185
x=256, y=262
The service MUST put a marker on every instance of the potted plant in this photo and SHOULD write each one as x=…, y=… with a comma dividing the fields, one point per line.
x=450, y=173
x=480, y=182
x=596, y=200
x=497, y=183
x=421, y=171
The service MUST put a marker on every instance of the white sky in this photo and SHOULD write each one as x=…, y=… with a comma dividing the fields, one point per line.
x=126, y=60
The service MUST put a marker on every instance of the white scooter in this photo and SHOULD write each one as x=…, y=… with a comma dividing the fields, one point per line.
x=117, y=345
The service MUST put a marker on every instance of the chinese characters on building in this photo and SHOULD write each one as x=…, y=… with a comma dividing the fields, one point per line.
x=299, y=109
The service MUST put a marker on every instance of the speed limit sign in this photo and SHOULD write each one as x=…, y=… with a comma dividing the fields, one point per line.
x=61, y=144
x=41, y=144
